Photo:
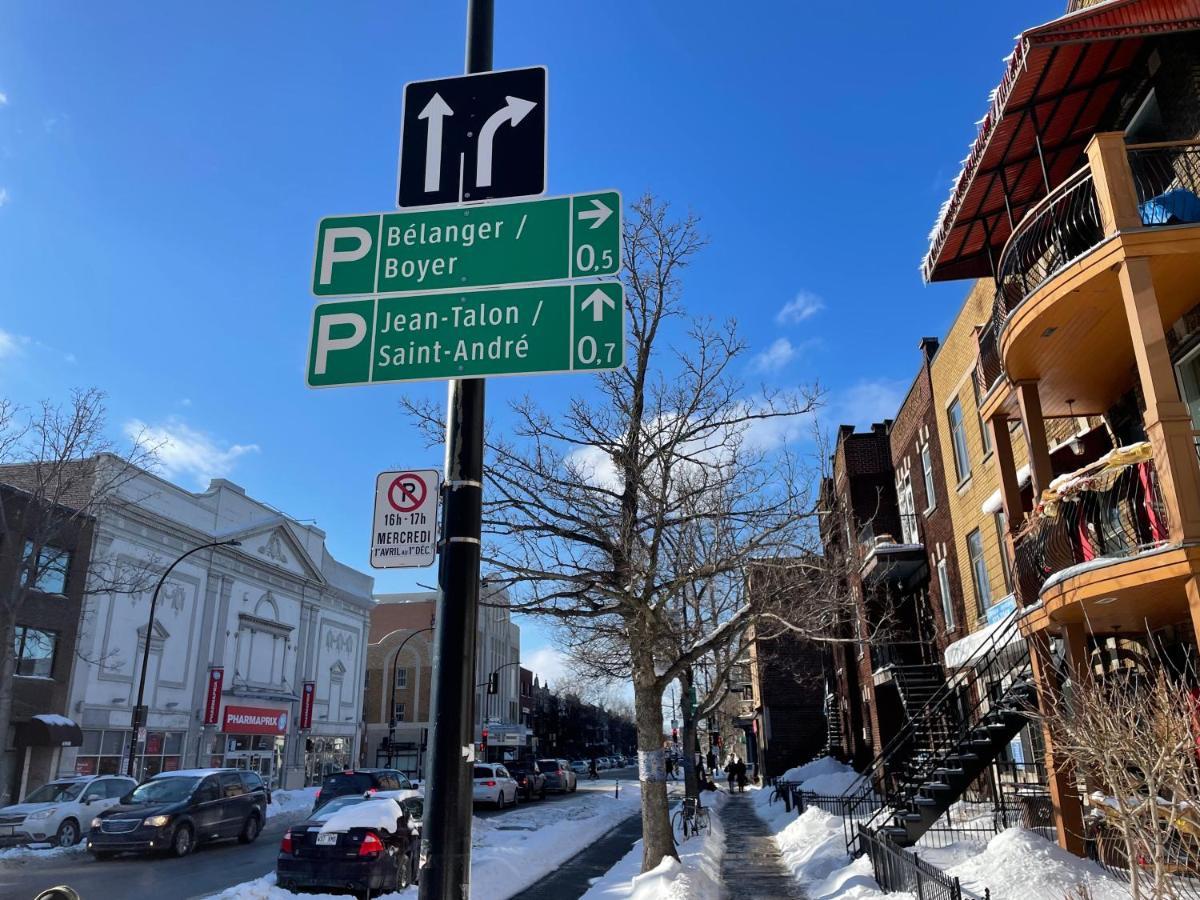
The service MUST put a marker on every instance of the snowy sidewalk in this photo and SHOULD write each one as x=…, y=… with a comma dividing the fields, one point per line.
x=752, y=868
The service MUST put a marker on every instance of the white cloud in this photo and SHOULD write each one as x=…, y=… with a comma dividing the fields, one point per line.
x=775, y=357
x=9, y=344
x=546, y=663
x=3, y=196
x=3, y=99
x=184, y=451
x=866, y=402
x=804, y=306
x=595, y=466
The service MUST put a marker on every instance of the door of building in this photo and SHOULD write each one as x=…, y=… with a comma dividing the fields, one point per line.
x=260, y=761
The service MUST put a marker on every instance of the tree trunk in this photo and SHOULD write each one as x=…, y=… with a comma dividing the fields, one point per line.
x=691, y=781
x=8, y=761
x=657, y=841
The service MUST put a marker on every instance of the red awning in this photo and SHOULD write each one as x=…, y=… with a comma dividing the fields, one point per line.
x=1060, y=80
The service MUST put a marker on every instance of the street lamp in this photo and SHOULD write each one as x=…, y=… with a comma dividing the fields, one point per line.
x=138, y=717
x=395, y=663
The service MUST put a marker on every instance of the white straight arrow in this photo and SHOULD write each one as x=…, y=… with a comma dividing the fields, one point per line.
x=435, y=111
x=514, y=110
x=598, y=300
x=599, y=214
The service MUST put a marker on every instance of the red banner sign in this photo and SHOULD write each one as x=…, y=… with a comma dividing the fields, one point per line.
x=306, y=704
x=254, y=720
x=212, y=697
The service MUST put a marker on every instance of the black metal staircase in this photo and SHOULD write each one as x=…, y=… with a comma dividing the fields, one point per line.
x=951, y=751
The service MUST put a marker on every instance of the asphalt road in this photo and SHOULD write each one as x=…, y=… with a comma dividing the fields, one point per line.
x=209, y=869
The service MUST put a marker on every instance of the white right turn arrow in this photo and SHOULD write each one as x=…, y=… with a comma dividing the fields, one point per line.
x=514, y=110
x=598, y=300
x=599, y=214
x=435, y=111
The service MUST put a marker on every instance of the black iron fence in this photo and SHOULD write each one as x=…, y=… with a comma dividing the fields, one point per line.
x=1104, y=511
x=897, y=869
x=1166, y=178
x=1178, y=870
x=1058, y=231
x=988, y=368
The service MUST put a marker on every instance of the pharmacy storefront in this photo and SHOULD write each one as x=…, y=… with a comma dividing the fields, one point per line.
x=252, y=737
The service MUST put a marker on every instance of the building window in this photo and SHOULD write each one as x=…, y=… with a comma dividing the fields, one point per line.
x=400, y=712
x=985, y=436
x=943, y=574
x=908, y=509
x=1005, y=563
x=979, y=574
x=33, y=651
x=102, y=751
x=50, y=571
x=927, y=469
x=402, y=678
x=958, y=439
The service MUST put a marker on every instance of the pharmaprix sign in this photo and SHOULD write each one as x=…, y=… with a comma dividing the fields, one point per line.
x=254, y=720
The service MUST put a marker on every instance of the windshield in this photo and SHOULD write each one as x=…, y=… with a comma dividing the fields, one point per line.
x=164, y=790
x=347, y=783
x=56, y=792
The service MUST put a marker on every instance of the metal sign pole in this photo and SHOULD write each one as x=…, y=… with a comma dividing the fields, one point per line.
x=446, y=830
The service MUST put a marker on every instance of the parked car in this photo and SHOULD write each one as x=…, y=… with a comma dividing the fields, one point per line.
x=579, y=766
x=366, y=842
x=559, y=775
x=493, y=784
x=356, y=782
x=530, y=779
x=175, y=811
x=58, y=812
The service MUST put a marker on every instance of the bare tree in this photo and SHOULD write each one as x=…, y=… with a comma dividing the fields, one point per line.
x=580, y=505
x=58, y=470
x=1131, y=734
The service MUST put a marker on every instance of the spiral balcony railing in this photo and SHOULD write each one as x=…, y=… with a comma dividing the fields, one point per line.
x=1109, y=510
x=1167, y=180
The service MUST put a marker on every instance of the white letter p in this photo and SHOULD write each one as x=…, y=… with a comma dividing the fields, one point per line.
x=325, y=343
x=329, y=255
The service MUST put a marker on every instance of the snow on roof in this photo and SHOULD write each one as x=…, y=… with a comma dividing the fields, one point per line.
x=382, y=815
x=993, y=503
x=54, y=719
x=966, y=651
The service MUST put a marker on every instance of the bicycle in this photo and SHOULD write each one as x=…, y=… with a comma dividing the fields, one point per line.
x=690, y=820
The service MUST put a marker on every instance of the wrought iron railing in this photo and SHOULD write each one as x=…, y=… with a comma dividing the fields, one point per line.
x=988, y=367
x=1100, y=513
x=1180, y=863
x=1166, y=178
x=897, y=869
x=1055, y=233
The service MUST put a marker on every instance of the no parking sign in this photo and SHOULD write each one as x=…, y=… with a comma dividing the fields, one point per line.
x=405, y=528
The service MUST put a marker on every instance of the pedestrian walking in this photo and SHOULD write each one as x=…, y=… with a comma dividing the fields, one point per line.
x=593, y=770
x=731, y=770
x=741, y=776
x=711, y=759
x=670, y=768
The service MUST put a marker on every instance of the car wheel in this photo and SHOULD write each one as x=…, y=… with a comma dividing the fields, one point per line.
x=250, y=830
x=181, y=841
x=68, y=834
x=403, y=874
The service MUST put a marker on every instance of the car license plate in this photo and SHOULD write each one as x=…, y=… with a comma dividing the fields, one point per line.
x=325, y=840
x=6, y=830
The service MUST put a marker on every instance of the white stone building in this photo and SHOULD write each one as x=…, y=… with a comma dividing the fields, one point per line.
x=265, y=619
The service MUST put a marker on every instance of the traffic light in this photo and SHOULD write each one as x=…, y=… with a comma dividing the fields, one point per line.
x=494, y=683
x=483, y=743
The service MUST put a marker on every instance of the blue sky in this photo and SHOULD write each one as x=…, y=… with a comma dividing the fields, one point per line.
x=163, y=167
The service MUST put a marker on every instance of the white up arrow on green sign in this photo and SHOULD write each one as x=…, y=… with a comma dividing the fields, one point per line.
x=465, y=247
x=476, y=334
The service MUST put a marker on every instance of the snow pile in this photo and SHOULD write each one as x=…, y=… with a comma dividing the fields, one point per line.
x=696, y=875
x=826, y=777
x=1020, y=864
x=813, y=847
x=292, y=803
x=264, y=889
x=33, y=853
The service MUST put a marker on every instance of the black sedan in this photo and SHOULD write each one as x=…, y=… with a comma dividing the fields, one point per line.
x=364, y=844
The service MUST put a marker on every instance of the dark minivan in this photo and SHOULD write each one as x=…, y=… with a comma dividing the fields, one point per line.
x=360, y=781
x=174, y=811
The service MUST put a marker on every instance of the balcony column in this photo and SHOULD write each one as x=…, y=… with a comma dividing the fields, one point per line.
x=1060, y=771
x=1035, y=437
x=1167, y=421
